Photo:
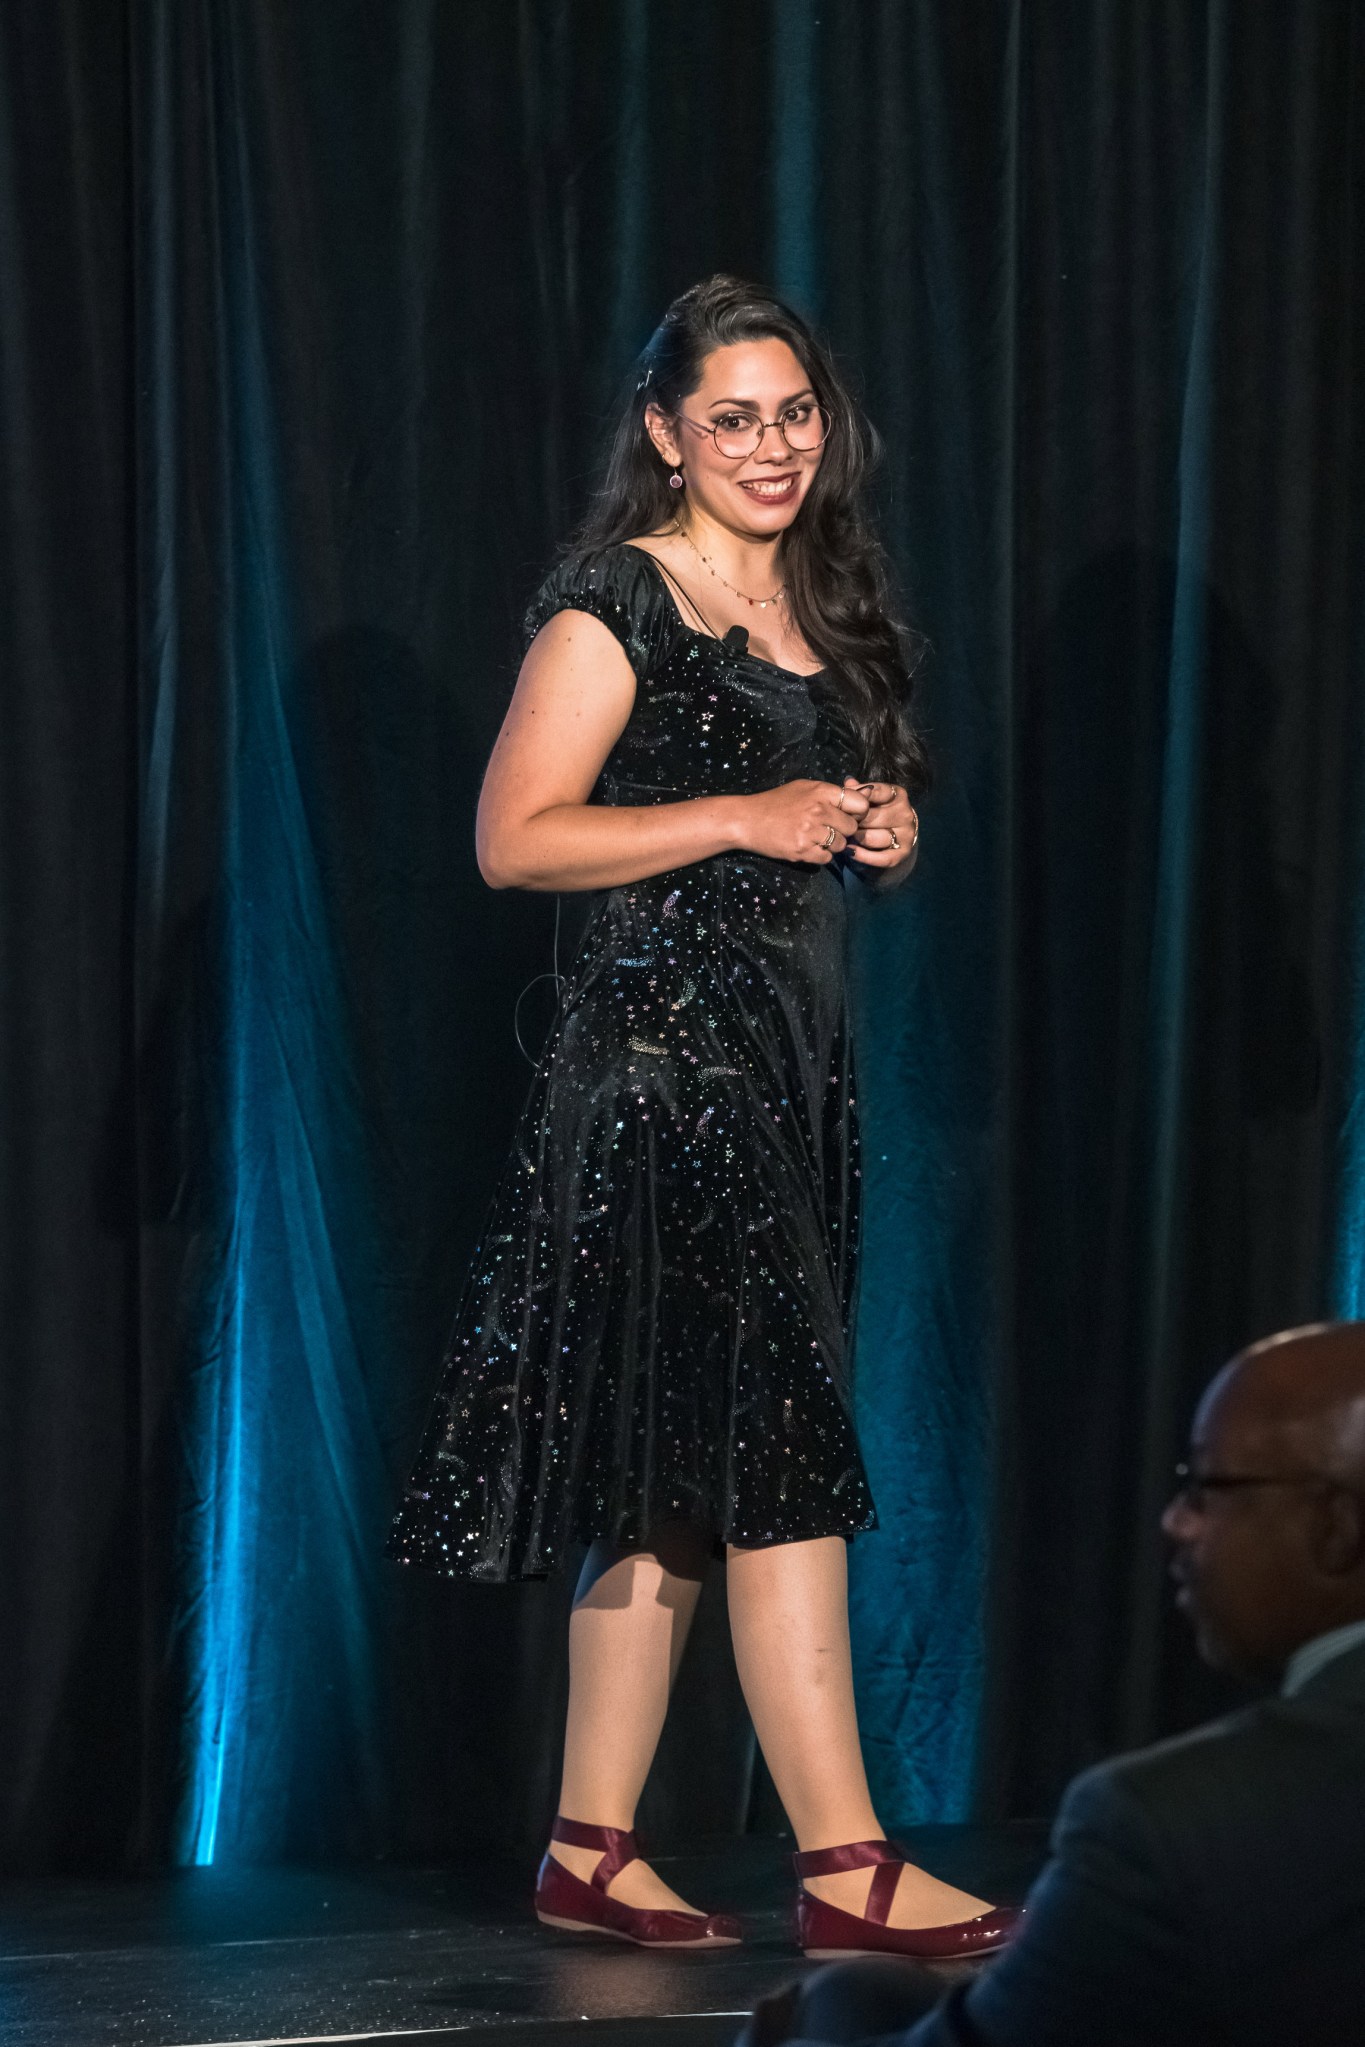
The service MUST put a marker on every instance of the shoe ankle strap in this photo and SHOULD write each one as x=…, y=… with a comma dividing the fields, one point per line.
x=619, y=1846
x=859, y=1855
x=852, y=1855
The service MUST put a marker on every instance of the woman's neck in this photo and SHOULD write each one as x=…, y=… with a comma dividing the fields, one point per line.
x=752, y=564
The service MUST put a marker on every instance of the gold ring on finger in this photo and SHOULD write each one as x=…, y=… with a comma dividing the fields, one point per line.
x=894, y=840
x=830, y=836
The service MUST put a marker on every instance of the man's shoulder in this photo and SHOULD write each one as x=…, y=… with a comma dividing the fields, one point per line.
x=1145, y=1781
x=1194, y=1751
x=1242, y=1764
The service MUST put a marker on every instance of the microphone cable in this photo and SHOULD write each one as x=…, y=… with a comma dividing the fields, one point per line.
x=558, y=979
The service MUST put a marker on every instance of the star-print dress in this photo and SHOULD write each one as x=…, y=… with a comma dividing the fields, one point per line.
x=655, y=1324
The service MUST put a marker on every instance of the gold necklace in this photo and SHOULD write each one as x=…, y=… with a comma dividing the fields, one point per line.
x=762, y=603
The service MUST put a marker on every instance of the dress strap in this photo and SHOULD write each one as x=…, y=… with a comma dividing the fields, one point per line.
x=687, y=598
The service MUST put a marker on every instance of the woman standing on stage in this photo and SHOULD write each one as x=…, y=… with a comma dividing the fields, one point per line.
x=652, y=1352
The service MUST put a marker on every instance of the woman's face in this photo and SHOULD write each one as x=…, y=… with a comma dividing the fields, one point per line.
x=759, y=494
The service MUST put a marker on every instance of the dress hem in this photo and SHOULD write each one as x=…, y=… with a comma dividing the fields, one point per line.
x=553, y=1566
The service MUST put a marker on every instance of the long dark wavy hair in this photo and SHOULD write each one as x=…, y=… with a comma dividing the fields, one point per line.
x=833, y=565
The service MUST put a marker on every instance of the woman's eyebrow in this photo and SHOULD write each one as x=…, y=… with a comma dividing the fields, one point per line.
x=753, y=405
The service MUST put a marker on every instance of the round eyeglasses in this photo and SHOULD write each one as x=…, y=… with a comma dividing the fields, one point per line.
x=804, y=427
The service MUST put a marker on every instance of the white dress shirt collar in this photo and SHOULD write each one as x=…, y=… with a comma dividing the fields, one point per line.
x=1311, y=1657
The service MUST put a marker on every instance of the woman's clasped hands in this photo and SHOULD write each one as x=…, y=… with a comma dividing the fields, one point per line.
x=889, y=833
x=815, y=821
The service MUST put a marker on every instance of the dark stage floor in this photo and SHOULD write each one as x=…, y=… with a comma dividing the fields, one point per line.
x=289, y=1955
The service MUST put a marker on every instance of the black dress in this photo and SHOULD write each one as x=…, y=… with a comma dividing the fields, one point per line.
x=655, y=1325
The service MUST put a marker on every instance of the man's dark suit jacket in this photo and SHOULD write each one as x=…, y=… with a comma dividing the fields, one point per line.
x=1204, y=1892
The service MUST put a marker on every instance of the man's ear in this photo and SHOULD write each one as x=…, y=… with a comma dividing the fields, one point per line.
x=661, y=432
x=1340, y=1545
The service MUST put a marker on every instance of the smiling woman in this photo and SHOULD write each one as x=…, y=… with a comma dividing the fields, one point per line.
x=652, y=1355
x=739, y=421
x=737, y=425
x=745, y=489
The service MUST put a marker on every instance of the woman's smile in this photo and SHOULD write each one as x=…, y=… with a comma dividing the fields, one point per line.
x=772, y=490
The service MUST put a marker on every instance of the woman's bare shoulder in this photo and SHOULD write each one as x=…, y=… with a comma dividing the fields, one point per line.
x=661, y=545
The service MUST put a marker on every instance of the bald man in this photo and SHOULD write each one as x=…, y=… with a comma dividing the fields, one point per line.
x=1210, y=1889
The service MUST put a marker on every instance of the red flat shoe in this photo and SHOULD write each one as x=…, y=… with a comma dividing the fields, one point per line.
x=826, y=1933
x=564, y=1900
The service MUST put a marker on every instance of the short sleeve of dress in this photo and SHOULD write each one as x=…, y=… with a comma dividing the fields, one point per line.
x=619, y=585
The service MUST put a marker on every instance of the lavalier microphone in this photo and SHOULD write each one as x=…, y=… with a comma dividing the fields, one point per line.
x=737, y=639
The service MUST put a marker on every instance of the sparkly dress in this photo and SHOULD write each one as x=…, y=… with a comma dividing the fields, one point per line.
x=655, y=1324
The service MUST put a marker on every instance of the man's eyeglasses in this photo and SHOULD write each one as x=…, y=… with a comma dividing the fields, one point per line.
x=803, y=427
x=1194, y=1487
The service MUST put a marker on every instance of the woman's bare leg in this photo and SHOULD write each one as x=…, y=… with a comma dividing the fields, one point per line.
x=789, y=1621
x=632, y=1612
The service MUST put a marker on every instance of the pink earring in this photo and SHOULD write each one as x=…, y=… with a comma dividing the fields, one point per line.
x=675, y=481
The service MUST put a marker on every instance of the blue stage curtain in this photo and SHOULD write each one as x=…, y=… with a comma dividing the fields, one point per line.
x=309, y=317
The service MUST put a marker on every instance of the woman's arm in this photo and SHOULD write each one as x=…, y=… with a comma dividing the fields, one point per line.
x=535, y=826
